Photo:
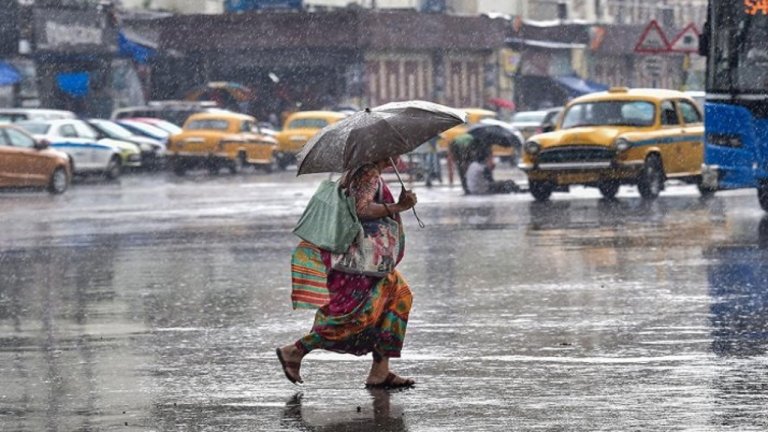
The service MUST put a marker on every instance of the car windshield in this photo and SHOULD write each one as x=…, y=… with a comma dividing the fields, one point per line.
x=529, y=117
x=609, y=113
x=308, y=123
x=208, y=124
x=35, y=128
x=166, y=126
x=146, y=129
x=114, y=130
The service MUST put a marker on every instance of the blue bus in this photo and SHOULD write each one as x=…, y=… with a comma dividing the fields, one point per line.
x=735, y=41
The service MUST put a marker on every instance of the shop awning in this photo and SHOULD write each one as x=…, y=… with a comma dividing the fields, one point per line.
x=577, y=86
x=8, y=74
x=75, y=84
x=133, y=46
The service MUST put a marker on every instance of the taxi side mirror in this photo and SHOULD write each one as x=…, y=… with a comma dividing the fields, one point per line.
x=42, y=144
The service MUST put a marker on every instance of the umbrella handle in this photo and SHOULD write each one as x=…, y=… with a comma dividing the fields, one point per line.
x=392, y=162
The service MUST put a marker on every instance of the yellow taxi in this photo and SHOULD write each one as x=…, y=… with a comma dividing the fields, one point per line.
x=640, y=137
x=474, y=116
x=220, y=139
x=298, y=128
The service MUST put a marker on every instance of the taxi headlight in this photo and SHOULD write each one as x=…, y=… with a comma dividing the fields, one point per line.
x=532, y=147
x=621, y=145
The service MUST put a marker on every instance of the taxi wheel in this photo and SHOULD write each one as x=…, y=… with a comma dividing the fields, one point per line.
x=704, y=191
x=237, y=164
x=762, y=196
x=179, y=168
x=540, y=190
x=59, y=182
x=213, y=168
x=609, y=188
x=651, y=180
x=282, y=163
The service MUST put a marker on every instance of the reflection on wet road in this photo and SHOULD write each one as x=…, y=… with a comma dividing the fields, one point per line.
x=156, y=303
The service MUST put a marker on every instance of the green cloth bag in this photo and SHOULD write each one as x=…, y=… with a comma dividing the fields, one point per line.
x=330, y=221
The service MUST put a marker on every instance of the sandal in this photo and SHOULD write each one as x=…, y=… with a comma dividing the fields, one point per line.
x=389, y=383
x=286, y=364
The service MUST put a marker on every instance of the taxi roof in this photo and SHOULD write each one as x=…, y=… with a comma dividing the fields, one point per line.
x=220, y=116
x=477, y=111
x=317, y=113
x=635, y=93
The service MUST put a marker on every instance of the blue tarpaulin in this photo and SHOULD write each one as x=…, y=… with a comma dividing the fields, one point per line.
x=74, y=83
x=8, y=74
x=129, y=47
x=577, y=86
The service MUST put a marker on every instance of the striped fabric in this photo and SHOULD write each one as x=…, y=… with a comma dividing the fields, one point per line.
x=308, y=277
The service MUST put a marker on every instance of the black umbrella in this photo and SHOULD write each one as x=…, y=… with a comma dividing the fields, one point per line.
x=487, y=134
x=374, y=134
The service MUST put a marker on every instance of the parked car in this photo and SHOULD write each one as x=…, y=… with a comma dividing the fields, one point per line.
x=26, y=162
x=535, y=122
x=130, y=154
x=298, y=128
x=14, y=115
x=216, y=140
x=174, y=111
x=622, y=136
x=159, y=123
x=145, y=129
x=152, y=150
x=86, y=155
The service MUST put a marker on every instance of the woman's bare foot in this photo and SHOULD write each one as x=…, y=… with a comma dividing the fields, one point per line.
x=290, y=358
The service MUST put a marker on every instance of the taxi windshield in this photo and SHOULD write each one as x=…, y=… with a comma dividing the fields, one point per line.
x=208, y=124
x=308, y=123
x=609, y=113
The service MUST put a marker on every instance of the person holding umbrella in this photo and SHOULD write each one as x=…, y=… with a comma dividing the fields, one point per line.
x=357, y=313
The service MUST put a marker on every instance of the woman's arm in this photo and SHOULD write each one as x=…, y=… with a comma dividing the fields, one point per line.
x=364, y=187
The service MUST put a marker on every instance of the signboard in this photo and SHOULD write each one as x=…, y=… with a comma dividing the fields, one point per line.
x=687, y=40
x=652, y=40
x=73, y=31
x=251, y=5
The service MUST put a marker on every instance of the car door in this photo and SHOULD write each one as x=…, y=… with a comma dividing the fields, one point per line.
x=100, y=154
x=669, y=139
x=260, y=147
x=76, y=147
x=8, y=161
x=30, y=167
x=693, y=133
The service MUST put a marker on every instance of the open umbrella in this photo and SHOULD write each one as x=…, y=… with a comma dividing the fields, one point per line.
x=374, y=134
x=496, y=133
x=220, y=91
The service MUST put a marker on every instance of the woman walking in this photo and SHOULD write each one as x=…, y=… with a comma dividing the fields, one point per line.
x=363, y=314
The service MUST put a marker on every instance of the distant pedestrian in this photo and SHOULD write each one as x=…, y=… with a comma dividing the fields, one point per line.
x=461, y=153
x=479, y=176
x=364, y=314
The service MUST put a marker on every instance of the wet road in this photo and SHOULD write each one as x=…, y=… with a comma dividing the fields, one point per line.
x=156, y=303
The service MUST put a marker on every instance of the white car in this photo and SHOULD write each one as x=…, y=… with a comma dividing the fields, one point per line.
x=14, y=115
x=130, y=153
x=86, y=155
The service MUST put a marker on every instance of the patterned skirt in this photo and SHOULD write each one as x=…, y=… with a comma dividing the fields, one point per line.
x=362, y=314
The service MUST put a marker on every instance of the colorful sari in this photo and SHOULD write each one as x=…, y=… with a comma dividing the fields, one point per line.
x=357, y=314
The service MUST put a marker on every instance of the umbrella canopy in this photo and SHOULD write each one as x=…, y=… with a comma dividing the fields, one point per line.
x=496, y=133
x=374, y=134
x=220, y=90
